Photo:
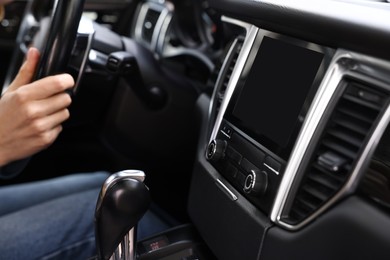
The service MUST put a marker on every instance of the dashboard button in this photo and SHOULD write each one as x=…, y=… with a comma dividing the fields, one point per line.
x=226, y=130
x=230, y=170
x=248, y=166
x=233, y=155
x=241, y=179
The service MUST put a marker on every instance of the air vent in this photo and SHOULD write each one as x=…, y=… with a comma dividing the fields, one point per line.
x=344, y=137
x=227, y=70
x=149, y=24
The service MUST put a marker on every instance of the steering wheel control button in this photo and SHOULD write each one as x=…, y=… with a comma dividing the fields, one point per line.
x=216, y=150
x=256, y=182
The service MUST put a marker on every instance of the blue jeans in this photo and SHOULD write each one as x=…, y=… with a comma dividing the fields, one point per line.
x=54, y=219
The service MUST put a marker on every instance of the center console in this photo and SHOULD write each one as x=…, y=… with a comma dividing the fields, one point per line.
x=263, y=111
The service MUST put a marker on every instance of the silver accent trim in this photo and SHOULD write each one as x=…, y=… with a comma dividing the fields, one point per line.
x=219, y=78
x=163, y=31
x=139, y=24
x=226, y=189
x=158, y=27
x=343, y=63
x=251, y=178
x=85, y=29
x=239, y=23
x=272, y=169
x=236, y=73
x=225, y=134
x=125, y=250
x=321, y=100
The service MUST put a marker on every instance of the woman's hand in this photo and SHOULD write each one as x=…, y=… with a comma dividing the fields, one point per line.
x=31, y=114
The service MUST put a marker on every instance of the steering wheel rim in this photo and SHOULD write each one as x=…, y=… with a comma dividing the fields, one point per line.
x=59, y=40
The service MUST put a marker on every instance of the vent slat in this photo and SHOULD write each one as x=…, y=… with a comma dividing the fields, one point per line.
x=331, y=144
x=324, y=180
x=343, y=138
x=298, y=213
x=352, y=125
x=316, y=193
x=350, y=138
x=306, y=205
x=348, y=111
x=363, y=103
x=338, y=177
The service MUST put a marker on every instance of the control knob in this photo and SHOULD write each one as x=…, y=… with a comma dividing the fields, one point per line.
x=256, y=182
x=215, y=150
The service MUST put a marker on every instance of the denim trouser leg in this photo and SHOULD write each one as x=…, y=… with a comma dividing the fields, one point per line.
x=54, y=219
x=45, y=223
x=20, y=196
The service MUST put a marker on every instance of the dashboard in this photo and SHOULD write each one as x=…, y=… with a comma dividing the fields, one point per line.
x=299, y=109
x=273, y=137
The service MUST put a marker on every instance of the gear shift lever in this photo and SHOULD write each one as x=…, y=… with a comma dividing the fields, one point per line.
x=122, y=202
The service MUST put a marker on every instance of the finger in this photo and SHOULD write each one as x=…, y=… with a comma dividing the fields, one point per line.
x=48, y=86
x=27, y=70
x=42, y=125
x=45, y=107
x=45, y=139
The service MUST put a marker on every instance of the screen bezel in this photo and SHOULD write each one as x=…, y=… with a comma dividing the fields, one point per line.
x=262, y=141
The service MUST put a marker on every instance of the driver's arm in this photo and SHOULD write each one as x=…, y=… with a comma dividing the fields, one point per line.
x=31, y=113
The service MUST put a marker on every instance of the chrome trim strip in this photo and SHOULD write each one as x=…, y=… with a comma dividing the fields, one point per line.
x=226, y=189
x=239, y=23
x=85, y=29
x=219, y=78
x=356, y=173
x=126, y=249
x=163, y=31
x=236, y=73
x=139, y=24
x=343, y=63
x=157, y=28
x=324, y=94
x=272, y=169
x=225, y=134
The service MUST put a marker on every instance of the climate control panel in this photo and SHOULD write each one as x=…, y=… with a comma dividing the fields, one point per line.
x=253, y=171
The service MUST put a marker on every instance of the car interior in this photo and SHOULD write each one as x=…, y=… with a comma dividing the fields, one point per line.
x=261, y=125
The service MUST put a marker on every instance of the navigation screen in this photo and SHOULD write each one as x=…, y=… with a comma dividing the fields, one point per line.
x=275, y=90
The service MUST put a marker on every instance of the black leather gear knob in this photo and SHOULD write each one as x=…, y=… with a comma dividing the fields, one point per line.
x=119, y=208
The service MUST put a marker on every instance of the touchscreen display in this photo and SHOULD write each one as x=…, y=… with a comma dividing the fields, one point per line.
x=275, y=90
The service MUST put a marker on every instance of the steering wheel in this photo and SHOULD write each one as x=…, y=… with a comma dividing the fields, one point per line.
x=51, y=26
